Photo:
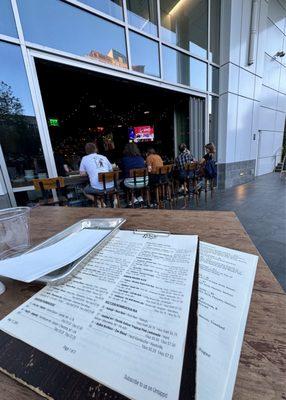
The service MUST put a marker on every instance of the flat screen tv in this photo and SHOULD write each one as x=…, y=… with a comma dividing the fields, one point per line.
x=141, y=134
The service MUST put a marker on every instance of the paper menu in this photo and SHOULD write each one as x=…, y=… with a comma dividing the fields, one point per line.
x=225, y=287
x=127, y=309
x=31, y=266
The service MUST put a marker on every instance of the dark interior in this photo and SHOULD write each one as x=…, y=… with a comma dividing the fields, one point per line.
x=89, y=106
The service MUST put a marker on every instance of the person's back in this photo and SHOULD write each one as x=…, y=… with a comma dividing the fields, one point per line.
x=153, y=161
x=184, y=157
x=92, y=164
x=132, y=159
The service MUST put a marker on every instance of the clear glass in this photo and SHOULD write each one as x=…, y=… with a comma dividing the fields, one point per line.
x=14, y=233
x=110, y=7
x=182, y=122
x=7, y=22
x=143, y=15
x=213, y=119
x=144, y=55
x=19, y=133
x=185, y=24
x=214, y=31
x=213, y=79
x=198, y=74
x=176, y=66
x=61, y=26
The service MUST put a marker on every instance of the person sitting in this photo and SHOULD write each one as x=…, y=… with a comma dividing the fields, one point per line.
x=153, y=161
x=92, y=164
x=184, y=157
x=132, y=159
x=208, y=162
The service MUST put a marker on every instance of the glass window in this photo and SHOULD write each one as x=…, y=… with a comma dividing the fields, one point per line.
x=143, y=15
x=19, y=134
x=213, y=120
x=56, y=24
x=185, y=24
x=144, y=54
x=182, y=122
x=176, y=66
x=110, y=7
x=198, y=74
x=7, y=22
x=213, y=79
x=214, y=30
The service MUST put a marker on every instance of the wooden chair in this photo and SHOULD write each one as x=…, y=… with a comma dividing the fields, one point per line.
x=191, y=183
x=165, y=187
x=104, y=178
x=45, y=186
x=137, y=182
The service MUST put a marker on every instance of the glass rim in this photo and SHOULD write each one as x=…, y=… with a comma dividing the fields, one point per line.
x=14, y=212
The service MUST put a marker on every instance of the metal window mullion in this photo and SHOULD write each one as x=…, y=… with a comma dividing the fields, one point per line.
x=6, y=177
x=36, y=98
x=127, y=40
x=160, y=42
x=9, y=39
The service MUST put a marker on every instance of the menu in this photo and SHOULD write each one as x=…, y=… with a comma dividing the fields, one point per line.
x=122, y=320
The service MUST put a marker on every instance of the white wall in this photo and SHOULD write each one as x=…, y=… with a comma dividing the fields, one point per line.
x=252, y=98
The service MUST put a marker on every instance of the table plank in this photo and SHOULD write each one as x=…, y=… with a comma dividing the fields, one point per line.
x=261, y=370
x=217, y=227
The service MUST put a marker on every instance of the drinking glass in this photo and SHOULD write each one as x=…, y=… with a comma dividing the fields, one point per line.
x=14, y=233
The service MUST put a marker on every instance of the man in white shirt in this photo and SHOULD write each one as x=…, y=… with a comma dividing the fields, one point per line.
x=92, y=164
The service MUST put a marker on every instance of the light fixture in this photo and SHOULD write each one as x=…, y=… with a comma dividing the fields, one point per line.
x=92, y=106
x=119, y=126
x=146, y=112
x=177, y=7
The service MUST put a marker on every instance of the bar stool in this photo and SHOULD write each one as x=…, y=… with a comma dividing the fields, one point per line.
x=112, y=193
x=191, y=183
x=137, y=182
x=164, y=188
x=45, y=186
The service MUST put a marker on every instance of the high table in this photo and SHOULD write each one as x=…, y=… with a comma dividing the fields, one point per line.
x=261, y=372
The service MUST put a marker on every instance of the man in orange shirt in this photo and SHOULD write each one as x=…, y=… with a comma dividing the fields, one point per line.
x=153, y=161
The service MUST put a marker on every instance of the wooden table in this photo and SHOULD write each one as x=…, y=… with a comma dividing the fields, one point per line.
x=261, y=373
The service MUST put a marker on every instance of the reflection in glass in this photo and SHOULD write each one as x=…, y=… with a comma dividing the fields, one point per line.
x=213, y=120
x=182, y=123
x=176, y=66
x=143, y=15
x=19, y=134
x=7, y=22
x=198, y=74
x=214, y=30
x=213, y=79
x=185, y=24
x=71, y=29
x=110, y=7
x=144, y=54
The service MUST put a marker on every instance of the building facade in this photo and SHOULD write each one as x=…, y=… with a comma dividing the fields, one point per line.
x=224, y=56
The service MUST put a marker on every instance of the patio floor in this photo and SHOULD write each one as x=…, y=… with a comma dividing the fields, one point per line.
x=261, y=208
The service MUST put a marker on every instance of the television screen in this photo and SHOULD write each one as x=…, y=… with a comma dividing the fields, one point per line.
x=141, y=133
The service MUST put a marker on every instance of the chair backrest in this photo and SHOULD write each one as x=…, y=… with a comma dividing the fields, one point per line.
x=49, y=183
x=191, y=166
x=139, y=173
x=107, y=177
x=165, y=169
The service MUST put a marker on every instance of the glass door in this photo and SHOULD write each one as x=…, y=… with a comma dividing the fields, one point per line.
x=197, y=126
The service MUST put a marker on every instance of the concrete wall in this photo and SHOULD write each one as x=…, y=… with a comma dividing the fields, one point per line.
x=242, y=92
